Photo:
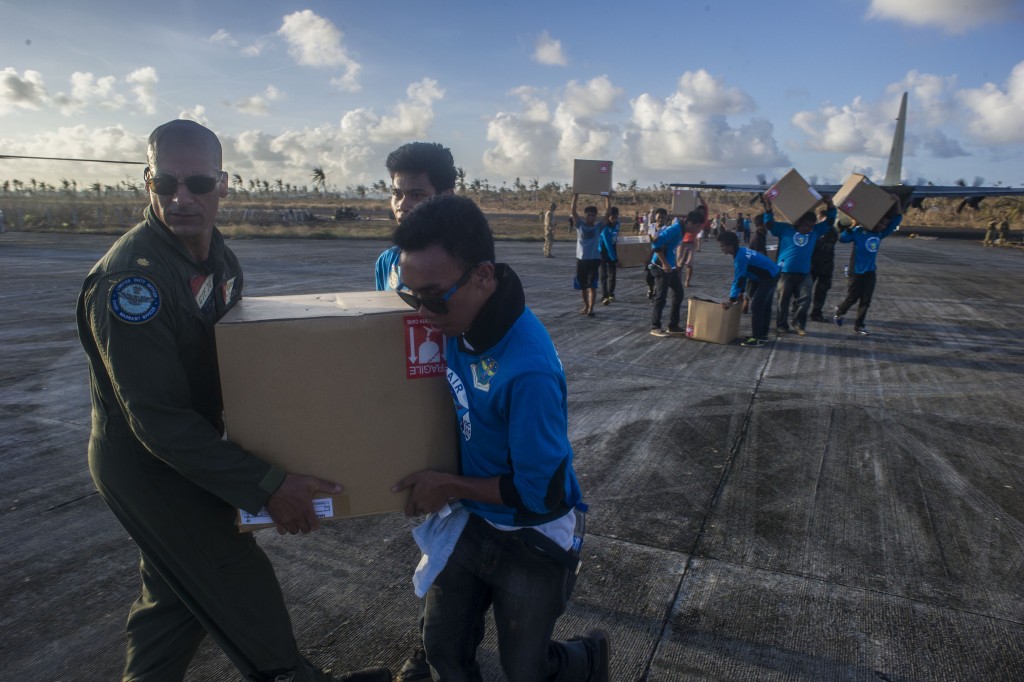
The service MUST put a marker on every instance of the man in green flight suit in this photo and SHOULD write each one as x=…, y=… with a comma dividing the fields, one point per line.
x=145, y=318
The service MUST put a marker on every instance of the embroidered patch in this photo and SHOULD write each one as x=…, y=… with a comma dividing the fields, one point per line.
x=228, y=287
x=393, y=278
x=143, y=262
x=483, y=372
x=134, y=300
x=201, y=287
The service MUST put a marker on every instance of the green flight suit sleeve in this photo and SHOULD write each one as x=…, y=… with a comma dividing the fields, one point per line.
x=151, y=385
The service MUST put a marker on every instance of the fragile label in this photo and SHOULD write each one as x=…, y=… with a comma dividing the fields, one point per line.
x=323, y=507
x=424, y=349
x=689, y=330
x=847, y=205
x=604, y=168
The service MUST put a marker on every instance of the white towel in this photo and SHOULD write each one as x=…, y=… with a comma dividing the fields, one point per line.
x=436, y=538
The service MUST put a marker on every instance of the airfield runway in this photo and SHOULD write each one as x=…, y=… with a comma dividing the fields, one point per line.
x=824, y=508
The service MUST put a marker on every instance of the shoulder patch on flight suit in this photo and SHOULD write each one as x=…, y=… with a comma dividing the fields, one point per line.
x=134, y=300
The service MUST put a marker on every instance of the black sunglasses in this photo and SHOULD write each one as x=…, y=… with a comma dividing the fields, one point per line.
x=166, y=184
x=435, y=304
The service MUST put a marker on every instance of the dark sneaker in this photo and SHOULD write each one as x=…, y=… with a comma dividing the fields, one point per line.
x=862, y=331
x=602, y=655
x=415, y=668
x=752, y=342
x=782, y=330
x=816, y=317
x=800, y=331
x=676, y=331
x=658, y=331
x=650, y=293
x=611, y=299
x=606, y=300
x=837, y=318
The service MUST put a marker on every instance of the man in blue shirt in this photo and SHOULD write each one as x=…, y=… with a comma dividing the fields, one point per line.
x=516, y=477
x=665, y=266
x=796, y=245
x=607, y=240
x=861, y=283
x=762, y=273
x=418, y=171
x=588, y=260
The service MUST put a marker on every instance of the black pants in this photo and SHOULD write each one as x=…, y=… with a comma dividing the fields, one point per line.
x=822, y=277
x=761, y=294
x=663, y=281
x=861, y=288
x=608, y=268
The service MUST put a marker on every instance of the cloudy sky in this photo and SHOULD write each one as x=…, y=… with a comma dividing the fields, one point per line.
x=669, y=90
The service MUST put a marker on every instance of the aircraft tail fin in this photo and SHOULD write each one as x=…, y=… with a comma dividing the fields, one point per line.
x=895, y=168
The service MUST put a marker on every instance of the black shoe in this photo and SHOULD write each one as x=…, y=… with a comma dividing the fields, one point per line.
x=817, y=318
x=415, y=668
x=602, y=655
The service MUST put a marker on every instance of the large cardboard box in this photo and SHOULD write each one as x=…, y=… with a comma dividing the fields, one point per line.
x=792, y=196
x=862, y=200
x=707, y=321
x=633, y=251
x=350, y=387
x=683, y=201
x=592, y=177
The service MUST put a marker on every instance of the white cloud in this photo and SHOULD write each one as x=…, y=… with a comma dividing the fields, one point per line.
x=410, y=119
x=26, y=91
x=689, y=129
x=315, y=41
x=955, y=16
x=87, y=90
x=549, y=51
x=222, y=37
x=254, y=50
x=257, y=105
x=197, y=114
x=997, y=114
x=144, y=81
x=537, y=142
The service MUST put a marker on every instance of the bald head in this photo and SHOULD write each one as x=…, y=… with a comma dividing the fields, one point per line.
x=183, y=133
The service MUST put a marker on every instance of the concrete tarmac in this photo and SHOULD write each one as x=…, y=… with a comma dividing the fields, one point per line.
x=828, y=507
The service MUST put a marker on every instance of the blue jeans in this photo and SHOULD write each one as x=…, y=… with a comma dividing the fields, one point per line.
x=527, y=589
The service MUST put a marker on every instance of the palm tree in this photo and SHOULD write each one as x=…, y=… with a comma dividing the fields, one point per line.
x=96, y=187
x=319, y=179
x=460, y=180
x=380, y=186
x=361, y=191
x=236, y=180
x=279, y=185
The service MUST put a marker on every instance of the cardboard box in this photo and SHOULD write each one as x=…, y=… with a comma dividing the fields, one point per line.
x=863, y=201
x=683, y=201
x=707, y=321
x=633, y=251
x=326, y=508
x=349, y=387
x=792, y=196
x=592, y=177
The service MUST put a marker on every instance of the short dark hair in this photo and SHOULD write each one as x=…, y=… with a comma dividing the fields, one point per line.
x=431, y=158
x=178, y=131
x=455, y=223
x=695, y=217
x=590, y=209
x=727, y=238
x=661, y=211
x=614, y=210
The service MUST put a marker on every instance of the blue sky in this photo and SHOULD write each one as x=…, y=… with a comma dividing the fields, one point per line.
x=670, y=91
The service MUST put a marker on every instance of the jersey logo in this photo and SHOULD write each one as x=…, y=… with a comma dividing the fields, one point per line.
x=134, y=300
x=872, y=243
x=461, y=403
x=800, y=239
x=483, y=372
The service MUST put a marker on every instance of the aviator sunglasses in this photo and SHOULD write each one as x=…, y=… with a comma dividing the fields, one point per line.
x=166, y=184
x=435, y=304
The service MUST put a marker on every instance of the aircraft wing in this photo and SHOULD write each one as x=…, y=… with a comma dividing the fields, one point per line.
x=958, y=192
